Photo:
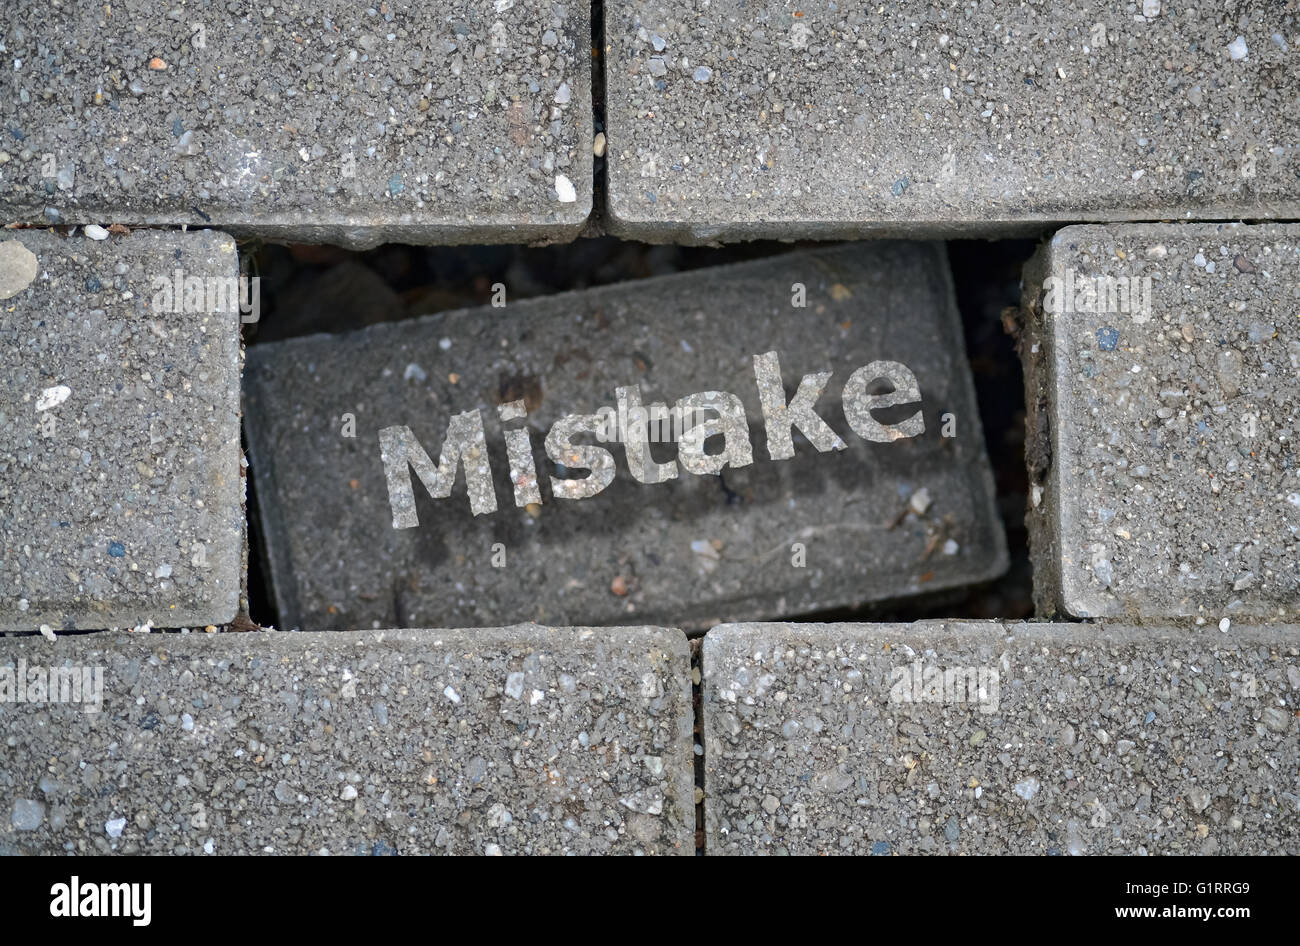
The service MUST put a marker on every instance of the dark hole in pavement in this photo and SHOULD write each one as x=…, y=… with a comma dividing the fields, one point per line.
x=307, y=289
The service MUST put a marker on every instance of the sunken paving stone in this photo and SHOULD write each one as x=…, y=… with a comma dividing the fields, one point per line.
x=121, y=488
x=1084, y=739
x=771, y=537
x=520, y=740
x=740, y=119
x=329, y=121
x=1163, y=379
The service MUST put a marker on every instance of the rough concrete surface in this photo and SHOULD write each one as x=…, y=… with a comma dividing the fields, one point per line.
x=522, y=740
x=738, y=119
x=330, y=121
x=1090, y=740
x=1164, y=476
x=874, y=521
x=121, y=488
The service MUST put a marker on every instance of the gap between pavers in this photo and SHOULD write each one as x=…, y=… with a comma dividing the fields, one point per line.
x=355, y=538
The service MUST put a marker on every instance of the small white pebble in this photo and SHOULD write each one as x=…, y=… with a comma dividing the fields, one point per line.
x=96, y=232
x=349, y=793
x=565, y=190
x=1026, y=788
x=1224, y=625
x=53, y=397
x=187, y=723
x=114, y=827
x=920, y=501
x=514, y=685
x=1237, y=48
x=47, y=632
x=451, y=694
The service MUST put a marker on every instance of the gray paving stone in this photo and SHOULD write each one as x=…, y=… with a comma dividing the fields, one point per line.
x=1164, y=476
x=742, y=119
x=839, y=739
x=695, y=549
x=329, y=121
x=521, y=740
x=121, y=488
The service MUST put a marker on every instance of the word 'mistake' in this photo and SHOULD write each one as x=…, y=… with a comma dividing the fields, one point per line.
x=466, y=444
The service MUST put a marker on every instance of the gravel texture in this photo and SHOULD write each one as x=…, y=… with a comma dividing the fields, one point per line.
x=328, y=121
x=121, y=488
x=1091, y=740
x=1162, y=458
x=875, y=521
x=739, y=119
x=521, y=740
